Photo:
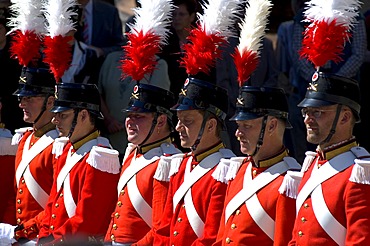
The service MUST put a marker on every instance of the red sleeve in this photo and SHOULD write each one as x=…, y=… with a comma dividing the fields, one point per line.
x=96, y=203
x=284, y=220
x=357, y=209
x=159, y=200
x=213, y=217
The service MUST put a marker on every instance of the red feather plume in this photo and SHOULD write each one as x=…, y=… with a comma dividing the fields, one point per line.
x=58, y=54
x=202, y=51
x=25, y=47
x=245, y=64
x=324, y=41
x=140, y=55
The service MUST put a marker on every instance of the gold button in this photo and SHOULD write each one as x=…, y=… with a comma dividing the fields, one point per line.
x=61, y=195
x=57, y=205
x=175, y=233
x=122, y=192
x=17, y=234
x=300, y=233
x=233, y=226
x=305, y=205
x=179, y=220
x=254, y=173
x=303, y=219
x=32, y=143
x=113, y=238
x=20, y=191
x=19, y=201
x=32, y=228
x=115, y=226
x=18, y=221
x=19, y=211
x=119, y=203
x=116, y=215
x=318, y=165
x=53, y=216
x=23, y=181
x=193, y=166
x=25, y=232
x=183, y=206
x=228, y=240
x=237, y=212
x=51, y=227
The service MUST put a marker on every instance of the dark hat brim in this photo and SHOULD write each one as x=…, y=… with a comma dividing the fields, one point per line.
x=183, y=107
x=59, y=109
x=312, y=102
x=25, y=93
x=241, y=115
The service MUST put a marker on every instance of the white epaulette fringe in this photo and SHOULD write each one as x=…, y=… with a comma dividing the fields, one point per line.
x=221, y=170
x=6, y=148
x=235, y=163
x=19, y=133
x=164, y=165
x=175, y=163
x=310, y=156
x=290, y=184
x=361, y=170
x=104, y=159
x=58, y=146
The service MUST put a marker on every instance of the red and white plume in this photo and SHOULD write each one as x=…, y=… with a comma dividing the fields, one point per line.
x=331, y=23
x=59, y=23
x=213, y=29
x=27, y=25
x=253, y=29
x=148, y=33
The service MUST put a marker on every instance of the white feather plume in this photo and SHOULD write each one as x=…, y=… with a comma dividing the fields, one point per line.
x=253, y=27
x=343, y=11
x=27, y=16
x=58, y=15
x=219, y=16
x=153, y=16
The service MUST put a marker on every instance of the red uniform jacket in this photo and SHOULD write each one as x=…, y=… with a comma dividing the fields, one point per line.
x=347, y=201
x=127, y=226
x=208, y=197
x=94, y=193
x=7, y=173
x=29, y=213
x=240, y=228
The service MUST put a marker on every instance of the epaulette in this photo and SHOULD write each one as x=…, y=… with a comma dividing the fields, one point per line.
x=290, y=184
x=175, y=163
x=310, y=156
x=235, y=163
x=58, y=146
x=222, y=167
x=104, y=159
x=164, y=165
x=361, y=169
x=19, y=133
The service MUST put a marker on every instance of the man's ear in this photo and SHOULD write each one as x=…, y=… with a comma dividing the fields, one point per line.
x=161, y=121
x=50, y=102
x=212, y=124
x=272, y=125
x=84, y=115
x=347, y=116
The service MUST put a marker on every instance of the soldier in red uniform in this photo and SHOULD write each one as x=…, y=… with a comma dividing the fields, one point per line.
x=260, y=200
x=143, y=185
x=84, y=189
x=34, y=160
x=333, y=203
x=197, y=185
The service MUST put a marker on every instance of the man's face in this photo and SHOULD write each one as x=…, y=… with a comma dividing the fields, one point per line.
x=248, y=133
x=63, y=121
x=188, y=126
x=318, y=122
x=181, y=18
x=31, y=107
x=138, y=126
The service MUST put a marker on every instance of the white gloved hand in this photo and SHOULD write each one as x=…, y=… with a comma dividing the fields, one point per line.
x=7, y=234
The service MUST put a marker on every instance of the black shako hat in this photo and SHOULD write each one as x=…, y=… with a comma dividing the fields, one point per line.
x=35, y=82
x=255, y=102
x=203, y=95
x=146, y=98
x=329, y=89
x=77, y=96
